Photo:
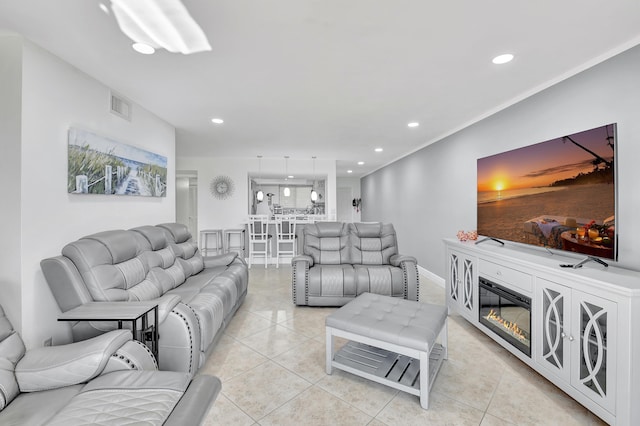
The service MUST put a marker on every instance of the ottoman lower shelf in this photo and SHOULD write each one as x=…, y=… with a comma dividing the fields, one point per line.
x=388, y=368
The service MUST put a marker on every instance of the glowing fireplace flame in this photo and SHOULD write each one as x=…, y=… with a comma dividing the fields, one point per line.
x=511, y=327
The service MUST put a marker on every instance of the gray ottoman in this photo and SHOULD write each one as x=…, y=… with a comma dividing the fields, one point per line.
x=391, y=341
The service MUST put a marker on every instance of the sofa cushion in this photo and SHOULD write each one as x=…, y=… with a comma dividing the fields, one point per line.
x=178, y=232
x=183, y=246
x=155, y=237
x=125, y=397
x=21, y=411
x=372, y=243
x=327, y=243
x=332, y=280
x=379, y=279
x=113, y=266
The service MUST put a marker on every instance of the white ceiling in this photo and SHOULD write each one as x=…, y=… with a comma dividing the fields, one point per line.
x=335, y=78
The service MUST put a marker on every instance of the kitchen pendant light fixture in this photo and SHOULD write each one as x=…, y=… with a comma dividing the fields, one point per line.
x=259, y=194
x=158, y=24
x=287, y=191
x=314, y=193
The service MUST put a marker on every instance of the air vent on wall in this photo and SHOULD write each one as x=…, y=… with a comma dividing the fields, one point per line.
x=120, y=107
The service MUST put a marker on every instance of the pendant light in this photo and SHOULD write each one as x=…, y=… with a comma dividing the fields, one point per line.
x=287, y=191
x=259, y=194
x=314, y=193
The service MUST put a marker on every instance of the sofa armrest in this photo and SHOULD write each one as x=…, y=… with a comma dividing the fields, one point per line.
x=196, y=401
x=303, y=258
x=410, y=274
x=397, y=259
x=220, y=260
x=300, y=279
x=53, y=367
x=133, y=355
x=165, y=304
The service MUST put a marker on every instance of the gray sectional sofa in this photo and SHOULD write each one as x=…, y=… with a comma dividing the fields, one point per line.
x=196, y=296
x=106, y=380
x=343, y=260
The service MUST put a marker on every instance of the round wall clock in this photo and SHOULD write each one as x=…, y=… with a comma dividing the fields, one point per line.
x=221, y=187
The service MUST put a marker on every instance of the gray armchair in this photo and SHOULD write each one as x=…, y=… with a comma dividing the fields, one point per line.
x=107, y=380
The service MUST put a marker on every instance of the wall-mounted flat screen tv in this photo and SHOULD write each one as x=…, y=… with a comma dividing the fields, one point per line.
x=559, y=194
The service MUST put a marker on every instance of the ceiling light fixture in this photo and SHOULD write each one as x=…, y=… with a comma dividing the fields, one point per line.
x=502, y=59
x=314, y=193
x=287, y=191
x=360, y=163
x=259, y=194
x=413, y=124
x=349, y=171
x=160, y=23
x=378, y=150
x=217, y=120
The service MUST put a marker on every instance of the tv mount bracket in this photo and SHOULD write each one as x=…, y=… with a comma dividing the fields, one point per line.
x=583, y=261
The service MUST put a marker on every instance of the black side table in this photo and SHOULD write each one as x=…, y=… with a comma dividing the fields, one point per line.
x=135, y=312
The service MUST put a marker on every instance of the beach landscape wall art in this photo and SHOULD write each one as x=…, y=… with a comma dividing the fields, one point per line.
x=99, y=165
x=559, y=194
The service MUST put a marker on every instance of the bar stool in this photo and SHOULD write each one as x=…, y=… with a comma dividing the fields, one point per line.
x=285, y=237
x=239, y=247
x=259, y=238
x=205, y=239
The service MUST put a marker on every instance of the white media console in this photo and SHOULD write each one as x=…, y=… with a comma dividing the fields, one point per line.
x=584, y=329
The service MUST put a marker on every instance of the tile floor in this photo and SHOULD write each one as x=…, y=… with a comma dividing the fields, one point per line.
x=272, y=366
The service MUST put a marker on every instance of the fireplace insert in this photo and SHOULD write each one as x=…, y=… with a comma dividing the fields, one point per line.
x=507, y=313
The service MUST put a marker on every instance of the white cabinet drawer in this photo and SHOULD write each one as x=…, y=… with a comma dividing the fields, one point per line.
x=507, y=276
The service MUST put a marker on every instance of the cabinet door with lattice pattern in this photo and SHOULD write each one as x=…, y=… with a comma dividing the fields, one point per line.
x=553, y=344
x=453, y=282
x=593, y=369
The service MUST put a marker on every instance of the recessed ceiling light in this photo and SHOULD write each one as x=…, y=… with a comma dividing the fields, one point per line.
x=217, y=120
x=413, y=124
x=502, y=59
x=378, y=150
x=360, y=163
x=349, y=171
x=103, y=7
x=145, y=49
x=290, y=176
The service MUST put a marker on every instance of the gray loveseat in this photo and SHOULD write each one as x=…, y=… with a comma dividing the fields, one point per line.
x=106, y=380
x=196, y=296
x=343, y=260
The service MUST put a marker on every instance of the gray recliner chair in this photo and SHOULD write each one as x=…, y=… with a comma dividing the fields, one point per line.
x=106, y=380
x=340, y=261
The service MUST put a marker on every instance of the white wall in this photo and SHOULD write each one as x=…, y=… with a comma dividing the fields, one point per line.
x=55, y=97
x=10, y=107
x=232, y=212
x=431, y=194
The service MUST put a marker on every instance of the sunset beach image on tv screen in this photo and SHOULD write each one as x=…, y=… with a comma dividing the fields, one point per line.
x=558, y=194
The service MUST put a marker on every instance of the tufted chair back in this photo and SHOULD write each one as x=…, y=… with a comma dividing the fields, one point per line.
x=372, y=243
x=114, y=266
x=181, y=241
x=11, y=351
x=327, y=242
x=165, y=270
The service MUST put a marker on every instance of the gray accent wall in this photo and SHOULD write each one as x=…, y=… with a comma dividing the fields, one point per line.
x=431, y=194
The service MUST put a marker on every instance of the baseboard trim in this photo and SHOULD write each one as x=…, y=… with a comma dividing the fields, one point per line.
x=431, y=276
